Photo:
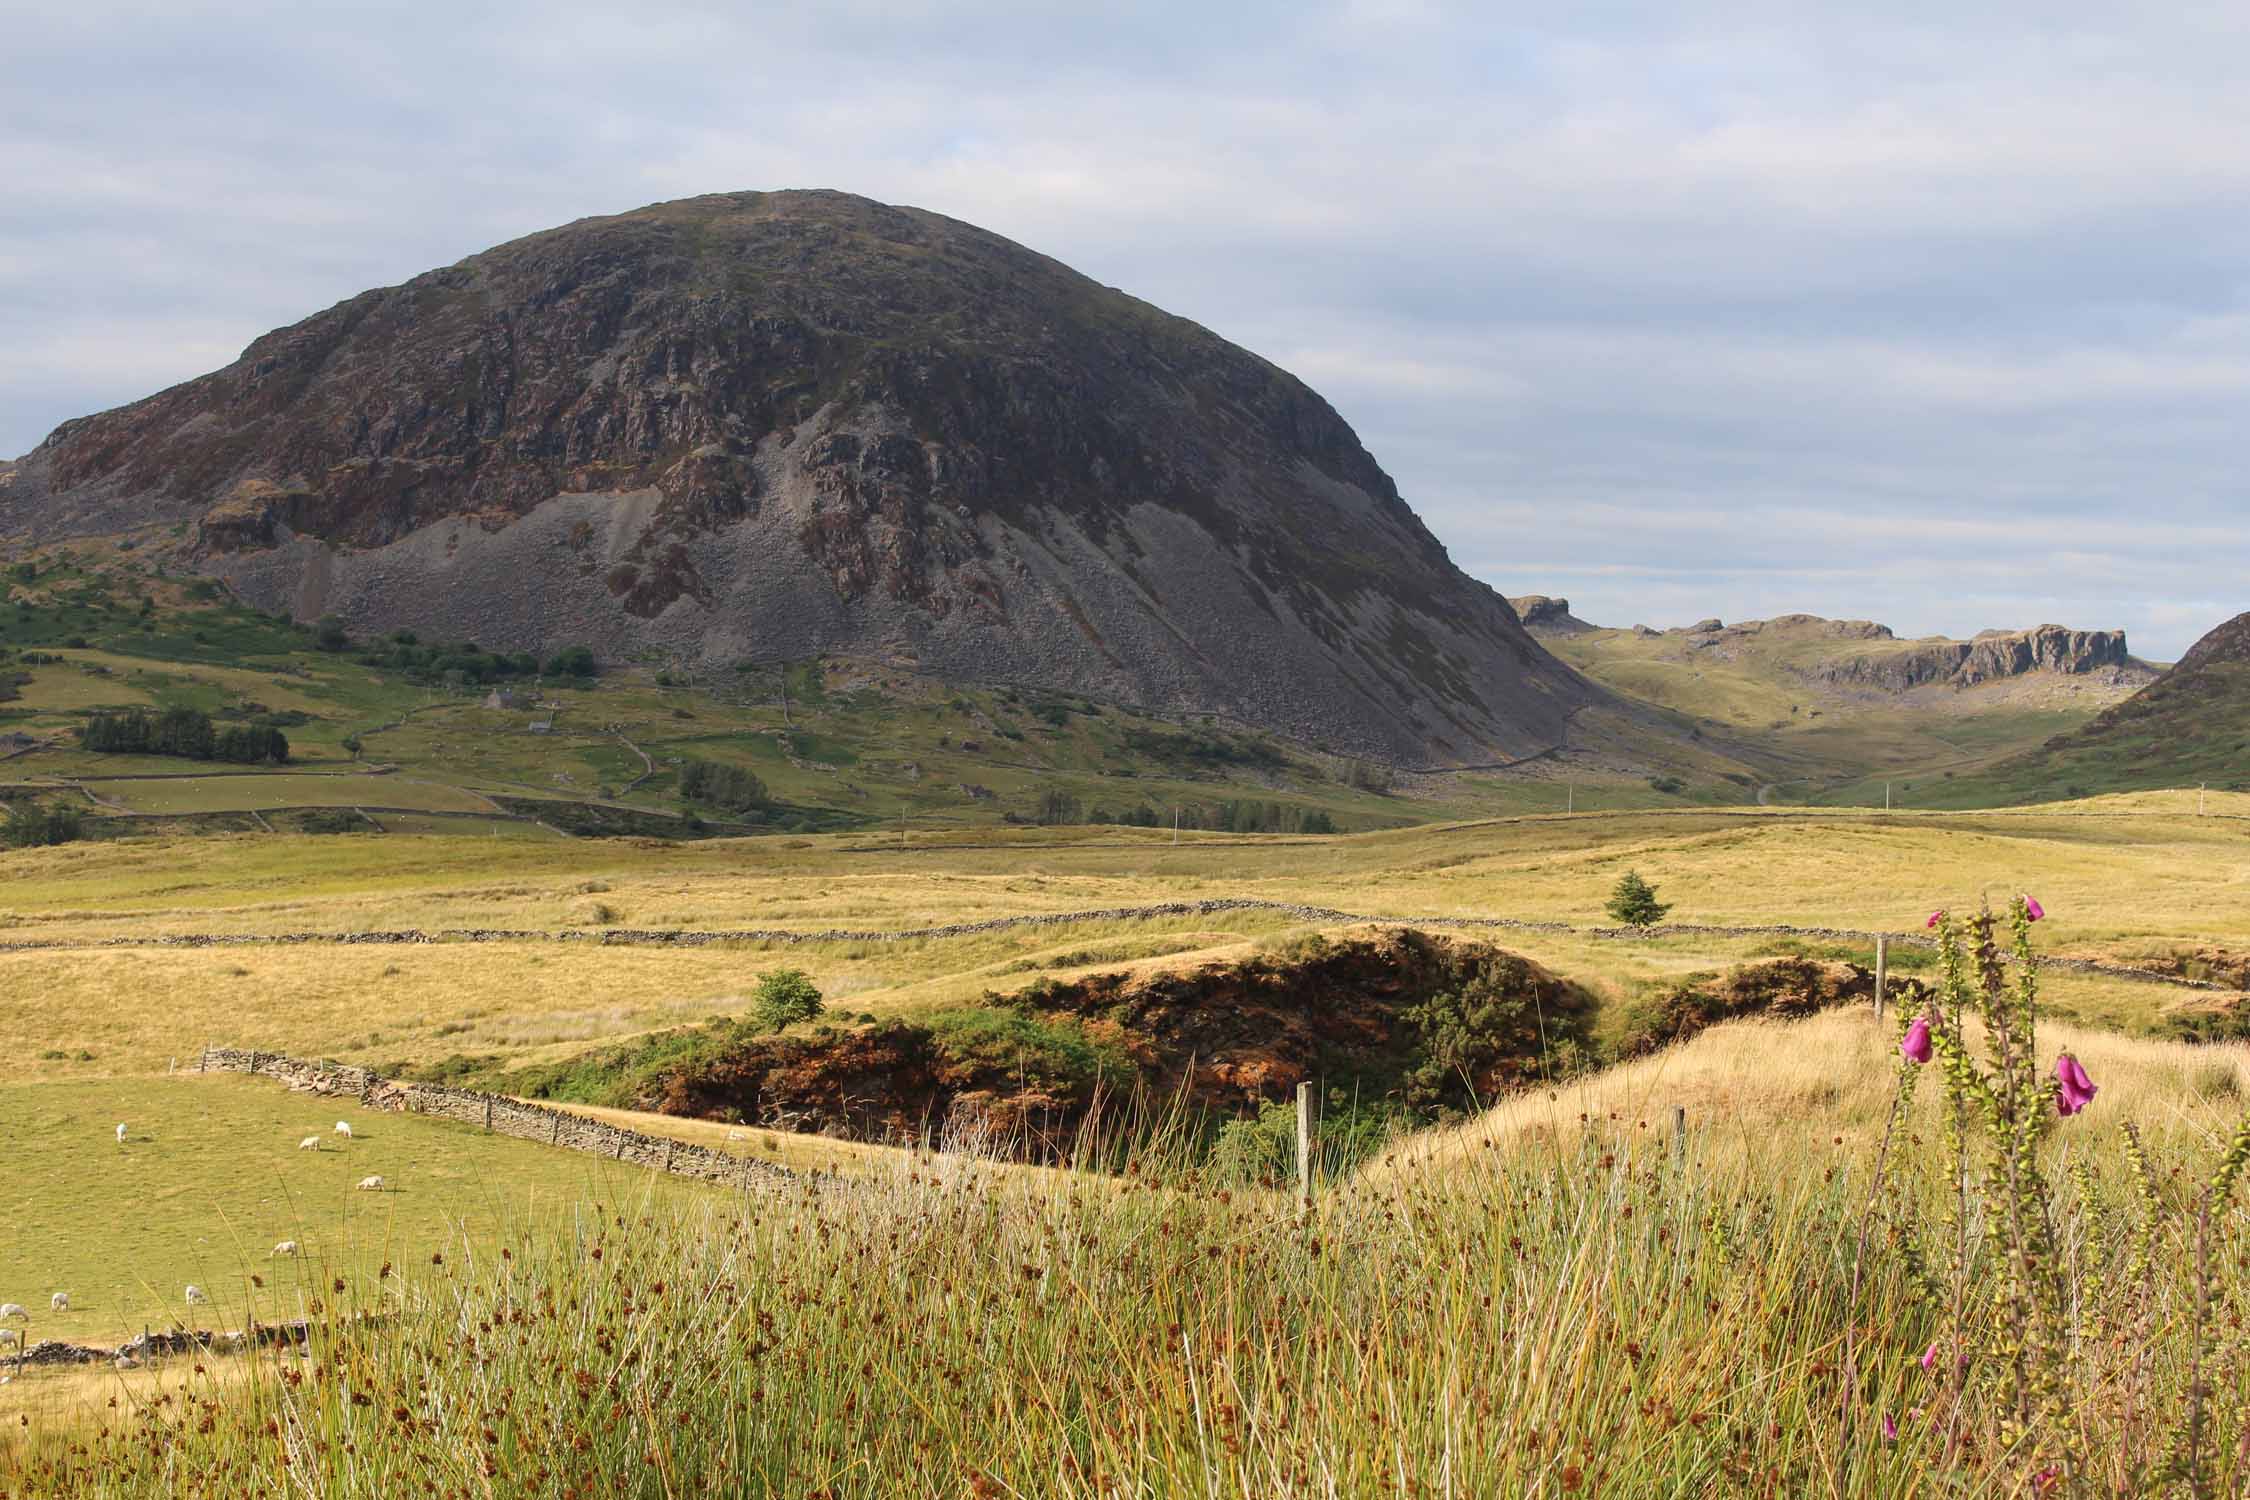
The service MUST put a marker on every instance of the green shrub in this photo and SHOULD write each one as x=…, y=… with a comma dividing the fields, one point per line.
x=1008, y=1039
x=783, y=998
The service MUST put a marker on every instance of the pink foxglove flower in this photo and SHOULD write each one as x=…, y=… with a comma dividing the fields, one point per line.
x=1935, y=917
x=1890, y=1429
x=1929, y=1357
x=2032, y=908
x=1915, y=1045
x=2077, y=1089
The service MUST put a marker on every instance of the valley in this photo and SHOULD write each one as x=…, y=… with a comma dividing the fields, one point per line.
x=773, y=845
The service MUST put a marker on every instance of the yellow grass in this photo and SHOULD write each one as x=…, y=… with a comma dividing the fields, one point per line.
x=2135, y=880
x=1778, y=1095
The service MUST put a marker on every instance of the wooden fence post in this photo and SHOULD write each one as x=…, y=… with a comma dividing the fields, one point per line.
x=1679, y=1131
x=668, y=1144
x=1304, y=1148
x=1882, y=972
x=488, y=1114
x=556, y=1138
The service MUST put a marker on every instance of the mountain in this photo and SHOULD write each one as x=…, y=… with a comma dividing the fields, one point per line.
x=761, y=426
x=2189, y=727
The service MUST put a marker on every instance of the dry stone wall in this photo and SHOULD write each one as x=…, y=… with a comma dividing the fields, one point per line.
x=678, y=938
x=501, y=1115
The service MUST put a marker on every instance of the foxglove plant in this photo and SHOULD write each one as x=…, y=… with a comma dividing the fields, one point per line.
x=2013, y=1328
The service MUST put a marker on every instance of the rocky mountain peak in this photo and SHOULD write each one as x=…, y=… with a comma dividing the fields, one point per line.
x=765, y=425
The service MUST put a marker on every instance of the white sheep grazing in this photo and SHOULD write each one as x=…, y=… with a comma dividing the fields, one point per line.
x=309, y=1143
x=14, y=1310
x=8, y=1336
x=286, y=1247
x=120, y=1135
x=344, y=1129
x=371, y=1184
x=195, y=1293
x=60, y=1302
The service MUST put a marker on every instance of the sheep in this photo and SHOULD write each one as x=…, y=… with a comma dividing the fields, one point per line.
x=195, y=1293
x=309, y=1143
x=344, y=1129
x=371, y=1184
x=286, y=1247
x=9, y=1336
x=120, y=1134
x=14, y=1310
x=60, y=1302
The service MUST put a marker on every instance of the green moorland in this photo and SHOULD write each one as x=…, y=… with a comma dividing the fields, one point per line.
x=444, y=729
x=433, y=731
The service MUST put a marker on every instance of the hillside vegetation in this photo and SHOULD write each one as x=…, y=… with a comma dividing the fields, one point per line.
x=1839, y=711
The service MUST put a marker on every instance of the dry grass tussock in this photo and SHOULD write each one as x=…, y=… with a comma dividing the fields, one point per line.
x=1766, y=1093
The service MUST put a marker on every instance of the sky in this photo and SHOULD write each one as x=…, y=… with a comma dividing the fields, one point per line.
x=1932, y=314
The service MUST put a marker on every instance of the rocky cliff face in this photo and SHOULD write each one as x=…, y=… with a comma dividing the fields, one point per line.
x=1542, y=615
x=1991, y=656
x=766, y=425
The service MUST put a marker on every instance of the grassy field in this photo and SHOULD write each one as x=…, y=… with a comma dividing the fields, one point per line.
x=1554, y=1300
x=2125, y=879
x=1545, y=1291
x=210, y=1179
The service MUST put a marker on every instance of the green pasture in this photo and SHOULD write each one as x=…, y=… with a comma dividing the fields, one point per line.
x=210, y=1179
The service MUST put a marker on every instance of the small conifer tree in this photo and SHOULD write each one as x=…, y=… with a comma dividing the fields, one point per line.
x=1634, y=902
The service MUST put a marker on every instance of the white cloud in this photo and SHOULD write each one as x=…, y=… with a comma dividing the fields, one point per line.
x=1873, y=310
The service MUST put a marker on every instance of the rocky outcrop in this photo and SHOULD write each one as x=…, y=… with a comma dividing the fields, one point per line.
x=1992, y=656
x=1542, y=615
x=771, y=425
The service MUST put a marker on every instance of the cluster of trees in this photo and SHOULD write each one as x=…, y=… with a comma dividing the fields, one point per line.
x=1243, y=816
x=717, y=784
x=463, y=664
x=1247, y=815
x=32, y=826
x=184, y=732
